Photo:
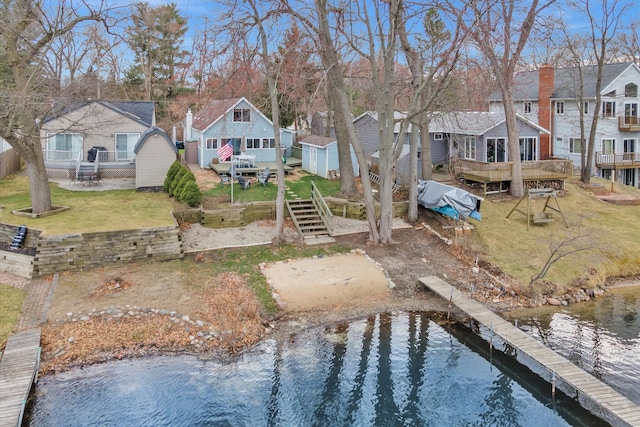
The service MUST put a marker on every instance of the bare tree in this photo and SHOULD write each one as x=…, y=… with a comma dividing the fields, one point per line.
x=500, y=30
x=242, y=21
x=629, y=43
x=28, y=29
x=603, y=24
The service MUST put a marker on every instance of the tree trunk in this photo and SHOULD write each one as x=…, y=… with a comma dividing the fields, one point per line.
x=31, y=152
x=414, y=139
x=513, y=135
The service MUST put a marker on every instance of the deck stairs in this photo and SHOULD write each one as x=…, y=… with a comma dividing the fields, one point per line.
x=307, y=218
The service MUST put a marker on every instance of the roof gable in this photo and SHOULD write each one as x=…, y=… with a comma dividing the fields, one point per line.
x=151, y=132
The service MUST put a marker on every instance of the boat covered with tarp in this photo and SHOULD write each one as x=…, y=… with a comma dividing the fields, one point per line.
x=450, y=201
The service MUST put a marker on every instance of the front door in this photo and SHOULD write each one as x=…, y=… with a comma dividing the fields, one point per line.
x=313, y=160
x=630, y=177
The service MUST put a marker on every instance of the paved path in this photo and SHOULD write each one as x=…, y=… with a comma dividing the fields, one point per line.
x=592, y=394
x=35, y=305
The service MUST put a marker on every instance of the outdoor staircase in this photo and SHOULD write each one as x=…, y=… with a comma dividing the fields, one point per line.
x=312, y=217
x=307, y=218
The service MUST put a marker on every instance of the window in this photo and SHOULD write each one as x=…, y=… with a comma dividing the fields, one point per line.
x=608, y=109
x=64, y=146
x=585, y=108
x=608, y=145
x=575, y=145
x=253, y=143
x=211, y=143
x=631, y=90
x=235, y=142
x=469, y=147
x=496, y=150
x=527, y=107
x=241, y=115
x=559, y=108
x=437, y=137
x=268, y=143
x=528, y=149
x=125, y=143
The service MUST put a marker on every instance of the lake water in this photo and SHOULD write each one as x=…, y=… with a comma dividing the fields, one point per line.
x=602, y=336
x=385, y=370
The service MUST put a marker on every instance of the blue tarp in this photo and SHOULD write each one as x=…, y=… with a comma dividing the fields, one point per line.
x=451, y=201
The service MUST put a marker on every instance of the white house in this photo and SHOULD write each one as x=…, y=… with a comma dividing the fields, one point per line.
x=551, y=98
x=238, y=122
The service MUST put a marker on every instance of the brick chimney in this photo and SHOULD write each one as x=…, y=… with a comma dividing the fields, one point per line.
x=546, y=77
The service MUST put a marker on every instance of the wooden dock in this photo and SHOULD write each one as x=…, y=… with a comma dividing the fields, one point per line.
x=18, y=370
x=595, y=396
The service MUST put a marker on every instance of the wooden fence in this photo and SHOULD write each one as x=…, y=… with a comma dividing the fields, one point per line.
x=9, y=162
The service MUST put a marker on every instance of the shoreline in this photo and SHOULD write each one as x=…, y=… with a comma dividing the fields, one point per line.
x=78, y=343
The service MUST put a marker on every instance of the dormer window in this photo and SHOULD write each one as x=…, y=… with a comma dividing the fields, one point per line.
x=242, y=115
x=631, y=90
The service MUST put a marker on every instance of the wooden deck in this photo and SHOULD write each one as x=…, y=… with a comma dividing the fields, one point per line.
x=593, y=395
x=18, y=370
x=541, y=170
x=224, y=167
x=618, y=161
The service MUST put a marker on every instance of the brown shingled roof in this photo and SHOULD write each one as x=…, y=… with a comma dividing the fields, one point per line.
x=212, y=111
x=317, y=140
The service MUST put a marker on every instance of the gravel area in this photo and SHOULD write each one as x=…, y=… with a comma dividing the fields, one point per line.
x=198, y=238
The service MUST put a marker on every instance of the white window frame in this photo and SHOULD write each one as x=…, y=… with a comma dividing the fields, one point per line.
x=469, y=147
x=608, y=109
x=268, y=143
x=242, y=115
x=559, y=108
x=438, y=136
x=527, y=154
x=608, y=145
x=211, y=144
x=252, y=143
x=74, y=139
x=572, y=145
x=132, y=139
x=527, y=107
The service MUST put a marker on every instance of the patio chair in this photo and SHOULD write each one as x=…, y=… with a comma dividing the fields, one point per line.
x=263, y=178
x=243, y=182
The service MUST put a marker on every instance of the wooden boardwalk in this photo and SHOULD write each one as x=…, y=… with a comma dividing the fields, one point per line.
x=593, y=395
x=18, y=369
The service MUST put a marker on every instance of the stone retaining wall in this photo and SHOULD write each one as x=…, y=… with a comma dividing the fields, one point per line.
x=17, y=264
x=8, y=231
x=72, y=252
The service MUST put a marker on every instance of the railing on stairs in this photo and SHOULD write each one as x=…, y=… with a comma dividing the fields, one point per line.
x=375, y=178
x=322, y=207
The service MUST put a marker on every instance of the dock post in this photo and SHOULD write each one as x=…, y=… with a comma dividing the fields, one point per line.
x=553, y=384
x=491, y=336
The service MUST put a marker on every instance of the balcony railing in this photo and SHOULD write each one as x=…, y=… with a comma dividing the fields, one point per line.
x=614, y=160
x=628, y=124
x=60, y=158
x=540, y=170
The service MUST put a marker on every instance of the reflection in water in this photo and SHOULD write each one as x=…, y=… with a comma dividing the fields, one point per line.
x=386, y=370
x=601, y=336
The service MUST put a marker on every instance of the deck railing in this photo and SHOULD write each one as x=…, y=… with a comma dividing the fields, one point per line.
x=503, y=171
x=60, y=158
x=628, y=124
x=322, y=207
x=614, y=160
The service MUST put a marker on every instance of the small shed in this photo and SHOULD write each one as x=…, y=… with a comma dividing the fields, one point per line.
x=154, y=155
x=320, y=156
